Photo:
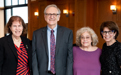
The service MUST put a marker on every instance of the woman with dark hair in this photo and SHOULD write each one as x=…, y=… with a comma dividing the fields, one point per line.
x=15, y=50
x=111, y=51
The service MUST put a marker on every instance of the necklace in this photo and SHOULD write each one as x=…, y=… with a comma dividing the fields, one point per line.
x=16, y=40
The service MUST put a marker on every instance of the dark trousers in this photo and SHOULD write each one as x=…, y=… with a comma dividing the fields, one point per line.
x=50, y=73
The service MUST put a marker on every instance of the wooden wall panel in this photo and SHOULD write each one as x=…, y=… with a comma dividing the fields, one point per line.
x=103, y=13
x=63, y=19
x=39, y=5
x=80, y=13
x=42, y=22
x=71, y=16
x=118, y=18
x=90, y=4
x=34, y=21
x=86, y=13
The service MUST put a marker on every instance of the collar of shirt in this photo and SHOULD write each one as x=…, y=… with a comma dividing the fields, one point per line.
x=55, y=29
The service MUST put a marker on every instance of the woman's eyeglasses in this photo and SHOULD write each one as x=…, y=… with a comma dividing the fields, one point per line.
x=109, y=32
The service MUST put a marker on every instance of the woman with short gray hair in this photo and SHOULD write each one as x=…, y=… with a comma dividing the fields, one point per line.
x=86, y=54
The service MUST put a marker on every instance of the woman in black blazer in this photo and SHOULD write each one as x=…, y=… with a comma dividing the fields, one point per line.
x=111, y=51
x=15, y=50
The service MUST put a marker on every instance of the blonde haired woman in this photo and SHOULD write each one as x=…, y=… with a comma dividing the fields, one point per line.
x=86, y=54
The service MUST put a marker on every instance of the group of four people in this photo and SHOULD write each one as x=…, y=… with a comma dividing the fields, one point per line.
x=52, y=51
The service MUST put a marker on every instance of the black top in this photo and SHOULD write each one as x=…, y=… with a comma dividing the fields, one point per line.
x=9, y=56
x=111, y=59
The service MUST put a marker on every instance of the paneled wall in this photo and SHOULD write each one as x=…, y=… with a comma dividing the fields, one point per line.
x=39, y=5
x=103, y=13
x=81, y=13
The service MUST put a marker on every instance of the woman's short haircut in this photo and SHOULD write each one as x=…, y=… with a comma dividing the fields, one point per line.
x=11, y=20
x=93, y=35
x=111, y=26
x=52, y=5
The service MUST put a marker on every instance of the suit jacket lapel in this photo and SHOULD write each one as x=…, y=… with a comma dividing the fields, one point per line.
x=11, y=45
x=58, y=38
x=44, y=36
x=26, y=45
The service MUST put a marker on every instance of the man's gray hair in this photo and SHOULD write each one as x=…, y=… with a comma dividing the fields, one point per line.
x=52, y=5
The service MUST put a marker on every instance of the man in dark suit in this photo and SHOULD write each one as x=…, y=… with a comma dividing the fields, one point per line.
x=52, y=46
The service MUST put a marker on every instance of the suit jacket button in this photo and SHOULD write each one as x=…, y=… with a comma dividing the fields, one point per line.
x=110, y=71
x=30, y=70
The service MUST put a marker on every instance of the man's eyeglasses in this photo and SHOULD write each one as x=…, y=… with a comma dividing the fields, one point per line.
x=109, y=32
x=54, y=14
